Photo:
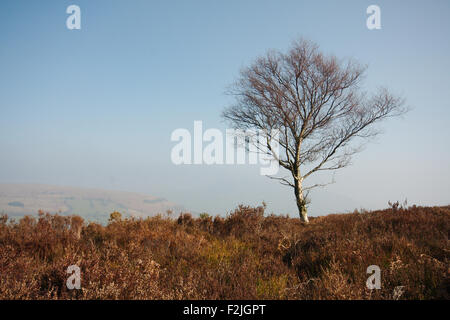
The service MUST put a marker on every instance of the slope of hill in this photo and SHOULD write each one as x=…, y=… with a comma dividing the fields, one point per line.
x=91, y=204
x=243, y=256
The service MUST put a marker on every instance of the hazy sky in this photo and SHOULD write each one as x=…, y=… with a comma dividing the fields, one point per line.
x=96, y=107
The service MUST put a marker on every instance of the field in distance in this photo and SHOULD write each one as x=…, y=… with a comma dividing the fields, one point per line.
x=17, y=200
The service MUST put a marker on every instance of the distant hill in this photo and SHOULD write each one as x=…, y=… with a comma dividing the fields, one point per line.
x=18, y=200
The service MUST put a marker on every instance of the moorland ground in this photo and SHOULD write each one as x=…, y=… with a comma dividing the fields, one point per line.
x=245, y=255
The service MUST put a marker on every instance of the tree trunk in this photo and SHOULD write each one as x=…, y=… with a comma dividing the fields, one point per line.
x=301, y=202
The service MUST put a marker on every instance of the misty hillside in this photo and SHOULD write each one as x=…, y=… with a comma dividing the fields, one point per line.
x=18, y=200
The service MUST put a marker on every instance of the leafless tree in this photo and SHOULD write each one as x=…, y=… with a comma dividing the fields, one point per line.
x=316, y=102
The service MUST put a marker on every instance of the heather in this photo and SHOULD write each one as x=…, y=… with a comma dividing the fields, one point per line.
x=246, y=255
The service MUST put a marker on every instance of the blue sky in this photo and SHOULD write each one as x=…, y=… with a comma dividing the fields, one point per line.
x=95, y=107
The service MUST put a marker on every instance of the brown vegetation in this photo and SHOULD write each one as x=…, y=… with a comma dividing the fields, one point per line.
x=242, y=256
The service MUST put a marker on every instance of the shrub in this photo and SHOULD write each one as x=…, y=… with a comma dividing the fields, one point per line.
x=242, y=256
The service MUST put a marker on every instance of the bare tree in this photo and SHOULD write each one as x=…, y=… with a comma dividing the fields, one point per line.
x=316, y=103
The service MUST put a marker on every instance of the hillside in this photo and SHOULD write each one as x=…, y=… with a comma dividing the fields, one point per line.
x=244, y=256
x=18, y=200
